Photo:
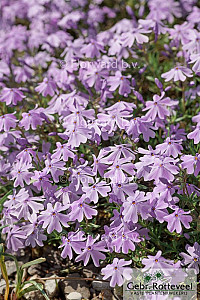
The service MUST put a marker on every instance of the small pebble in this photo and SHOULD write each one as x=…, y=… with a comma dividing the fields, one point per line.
x=74, y=296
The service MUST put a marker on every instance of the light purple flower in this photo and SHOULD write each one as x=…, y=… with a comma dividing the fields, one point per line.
x=62, y=152
x=125, y=239
x=195, y=58
x=117, y=172
x=176, y=218
x=31, y=119
x=170, y=147
x=120, y=81
x=133, y=206
x=97, y=188
x=11, y=96
x=53, y=219
x=164, y=168
x=177, y=73
x=120, y=189
x=191, y=163
x=117, y=272
x=135, y=34
x=35, y=234
x=55, y=167
x=92, y=249
x=80, y=208
x=195, y=135
x=158, y=107
x=7, y=121
x=15, y=238
x=158, y=209
x=40, y=179
x=74, y=241
x=93, y=49
x=193, y=258
x=24, y=207
x=156, y=262
x=47, y=87
x=20, y=173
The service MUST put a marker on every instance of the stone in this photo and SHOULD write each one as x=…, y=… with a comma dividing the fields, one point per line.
x=34, y=269
x=79, y=286
x=90, y=271
x=74, y=296
x=34, y=294
x=100, y=285
x=2, y=286
x=51, y=286
x=11, y=267
x=107, y=295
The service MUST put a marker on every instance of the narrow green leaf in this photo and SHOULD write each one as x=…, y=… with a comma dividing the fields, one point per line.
x=4, y=273
x=33, y=262
x=39, y=288
x=3, y=199
x=27, y=290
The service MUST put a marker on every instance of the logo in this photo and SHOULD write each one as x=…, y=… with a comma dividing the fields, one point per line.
x=163, y=284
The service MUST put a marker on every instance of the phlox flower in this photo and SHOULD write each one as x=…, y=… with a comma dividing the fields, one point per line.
x=177, y=73
x=158, y=209
x=125, y=239
x=7, y=121
x=35, y=234
x=76, y=135
x=47, y=87
x=158, y=107
x=133, y=206
x=120, y=81
x=195, y=134
x=11, y=96
x=117, y=272
x=99, y=163
x=140, y=125
x=181, y=32
x=26, y=155
x=73, y=241
x=176, y=218
x=114, y=118
x=135, y=34
x=163, y=168
x=79, y=115
x=195, y=58
x=20, y=173
x=170, y=147
x=80, y=208
x=82, y=175
x=15, y=238
x=55, y=167
x=93, y=49
x=191, y=163
x=117, y=171
x=92, y=249
x=40, y=179
x=165, y=190
x=121, y=189
x=62, y=152
x=31, y=119
x=52, y=217
x=96, y=188
x=192, y=259
x=156, y=262
x=24, y=208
